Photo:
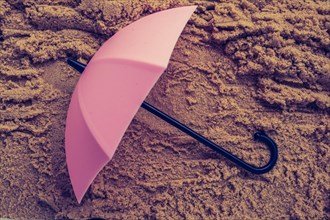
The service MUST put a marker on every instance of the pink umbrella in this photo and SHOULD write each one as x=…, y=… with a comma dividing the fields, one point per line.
x=114, y=84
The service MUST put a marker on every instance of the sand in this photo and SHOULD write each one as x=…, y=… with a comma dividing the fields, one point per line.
x=239, y=67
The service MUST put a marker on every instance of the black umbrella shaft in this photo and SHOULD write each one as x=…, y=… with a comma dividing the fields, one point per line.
x=213, y=145
x=258, y=136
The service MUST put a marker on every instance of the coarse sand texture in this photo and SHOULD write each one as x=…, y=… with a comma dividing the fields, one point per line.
x=239, y=66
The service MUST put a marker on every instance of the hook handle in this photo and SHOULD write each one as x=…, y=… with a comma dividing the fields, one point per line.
x=261, y=136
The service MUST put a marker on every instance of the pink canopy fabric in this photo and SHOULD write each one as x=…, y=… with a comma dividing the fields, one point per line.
x=112, y=88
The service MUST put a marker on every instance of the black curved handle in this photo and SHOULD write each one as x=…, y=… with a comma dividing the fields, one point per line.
x=261, y=136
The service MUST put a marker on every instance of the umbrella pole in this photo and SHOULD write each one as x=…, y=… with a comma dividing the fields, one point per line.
x=261, y=136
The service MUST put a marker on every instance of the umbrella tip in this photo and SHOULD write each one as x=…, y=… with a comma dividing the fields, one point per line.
x=80, y=67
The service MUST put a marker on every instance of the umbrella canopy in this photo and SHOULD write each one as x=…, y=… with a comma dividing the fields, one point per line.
x=114, y=84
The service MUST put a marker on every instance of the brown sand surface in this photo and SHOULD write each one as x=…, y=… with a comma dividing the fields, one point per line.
x=239, y=67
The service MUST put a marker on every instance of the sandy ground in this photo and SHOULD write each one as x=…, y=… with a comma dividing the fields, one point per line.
x=239, y=67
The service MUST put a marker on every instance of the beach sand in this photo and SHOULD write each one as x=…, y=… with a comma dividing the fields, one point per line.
x=238, y=67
